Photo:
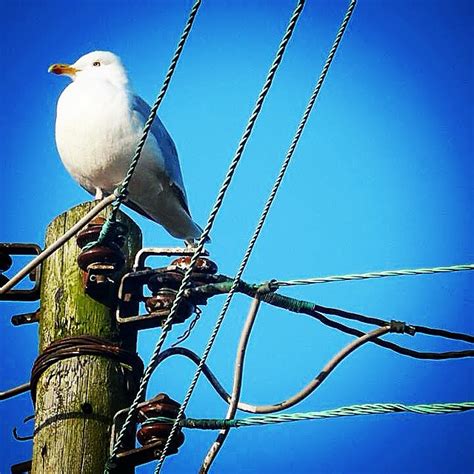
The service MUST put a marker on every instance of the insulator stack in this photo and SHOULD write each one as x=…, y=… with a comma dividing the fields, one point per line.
x=155, y=432
x=101, y=261
x=107, y=254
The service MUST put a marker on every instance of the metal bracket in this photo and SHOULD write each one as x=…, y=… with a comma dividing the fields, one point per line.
x=21, y=467
x=131, y=456
x=13, y=392
x=130, y=293
x=6, y=252
x=26, y=318
x=146, y=252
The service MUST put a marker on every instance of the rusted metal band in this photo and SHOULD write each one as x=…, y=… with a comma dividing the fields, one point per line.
x=78, y=346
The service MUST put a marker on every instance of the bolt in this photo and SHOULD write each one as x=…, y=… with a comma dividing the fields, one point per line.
x=86, y=408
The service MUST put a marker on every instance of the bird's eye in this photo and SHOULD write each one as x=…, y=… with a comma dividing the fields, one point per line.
x=96, y=63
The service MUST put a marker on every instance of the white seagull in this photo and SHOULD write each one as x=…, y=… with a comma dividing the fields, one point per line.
x=99, y=122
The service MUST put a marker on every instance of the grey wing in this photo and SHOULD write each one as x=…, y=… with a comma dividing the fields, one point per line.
x=168, y=148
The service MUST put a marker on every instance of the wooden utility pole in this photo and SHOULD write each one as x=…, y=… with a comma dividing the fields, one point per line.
x=76, y=397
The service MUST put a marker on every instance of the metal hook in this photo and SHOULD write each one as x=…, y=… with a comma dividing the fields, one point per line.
x=23, y=438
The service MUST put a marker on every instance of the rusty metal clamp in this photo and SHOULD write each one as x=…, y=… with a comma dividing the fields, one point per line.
x=164, y=283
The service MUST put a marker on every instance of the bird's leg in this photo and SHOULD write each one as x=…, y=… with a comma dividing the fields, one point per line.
x=190, y=244
x=99, y=194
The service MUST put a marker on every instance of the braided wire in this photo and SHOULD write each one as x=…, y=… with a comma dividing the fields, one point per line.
x=268, y=82
x=205, y=234
x=355, y=410
x=123, y=188
x=212, y=453
x=123, y=192
x=370, y=275
x=352, y=410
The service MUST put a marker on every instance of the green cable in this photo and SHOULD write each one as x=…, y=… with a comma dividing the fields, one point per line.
x=383, y=274
x=352, y=410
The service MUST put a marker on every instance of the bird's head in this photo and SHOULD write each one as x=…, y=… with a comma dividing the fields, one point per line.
x=95, y=65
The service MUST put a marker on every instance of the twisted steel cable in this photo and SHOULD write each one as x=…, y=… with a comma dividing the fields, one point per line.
x=205, y=234
x=124, y=186
x=315, y=311
x=268, y=82
x=148, y=124
x=370, y=275
x=352, y=410
x=213, y=451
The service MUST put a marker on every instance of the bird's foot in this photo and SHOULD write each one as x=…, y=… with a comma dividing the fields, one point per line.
x=99, y=194
x=190, y=244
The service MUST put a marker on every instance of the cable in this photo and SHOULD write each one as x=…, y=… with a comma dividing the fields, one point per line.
x=220, y=390
x=384, y=274
x=207, y=229
x=238, y=370
x=146, y=129
x=279, y=55
x=298, y=397
x=265, y=211
x=306, y=307
x=352, y=410
x=390, y=345
x=380, y=322
x=237, y=385
x=75, y=346
x=13, y=392
x=167, y=325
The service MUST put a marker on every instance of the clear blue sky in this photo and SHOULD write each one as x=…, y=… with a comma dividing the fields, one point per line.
x=382, y=179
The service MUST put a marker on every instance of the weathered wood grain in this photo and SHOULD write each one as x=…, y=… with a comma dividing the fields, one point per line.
x=77, y=444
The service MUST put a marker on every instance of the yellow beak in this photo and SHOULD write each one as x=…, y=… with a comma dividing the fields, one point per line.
x=62, y=69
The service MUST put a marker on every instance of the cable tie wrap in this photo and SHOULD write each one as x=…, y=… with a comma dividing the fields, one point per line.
x=400, y=327
x=112, y=234
x=267, y=287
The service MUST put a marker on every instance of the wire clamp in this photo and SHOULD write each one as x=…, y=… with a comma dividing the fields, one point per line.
x=268, y=287
x=400, y=327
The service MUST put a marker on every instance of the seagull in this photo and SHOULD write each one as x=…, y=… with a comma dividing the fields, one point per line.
x=99, y=122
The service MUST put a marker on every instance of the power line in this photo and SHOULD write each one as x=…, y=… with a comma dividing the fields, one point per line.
x=122, y=193
x=370, y=275
x=271, y=74
x=381, y=322
x=236, y=391
x=205, y=234
x=352, y=410
x=297, y=398
x=310, y=309
x=123, y=188
x=28, y=268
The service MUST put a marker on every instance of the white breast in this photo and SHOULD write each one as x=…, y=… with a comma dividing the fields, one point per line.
x=96, y=133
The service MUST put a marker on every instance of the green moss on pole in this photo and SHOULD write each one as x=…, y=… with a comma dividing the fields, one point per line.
x=88, y=385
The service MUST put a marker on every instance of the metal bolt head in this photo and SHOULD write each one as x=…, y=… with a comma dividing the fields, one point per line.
x=5, y=262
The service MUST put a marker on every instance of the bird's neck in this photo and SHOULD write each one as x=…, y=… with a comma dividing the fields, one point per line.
x=118, y=79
